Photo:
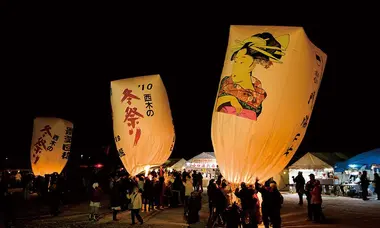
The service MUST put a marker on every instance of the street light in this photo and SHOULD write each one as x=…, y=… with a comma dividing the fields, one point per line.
x=81, y=156
x=6, y=158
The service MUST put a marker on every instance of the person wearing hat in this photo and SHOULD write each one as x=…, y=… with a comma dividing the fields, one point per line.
x=94, y=202
x=300, y=186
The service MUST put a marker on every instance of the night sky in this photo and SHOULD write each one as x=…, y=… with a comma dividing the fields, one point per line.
x=60, y=61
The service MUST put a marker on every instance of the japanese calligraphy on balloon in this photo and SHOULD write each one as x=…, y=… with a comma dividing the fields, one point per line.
x=41, y=145
x=66, y=146
x=317, y=77
x=133, y=116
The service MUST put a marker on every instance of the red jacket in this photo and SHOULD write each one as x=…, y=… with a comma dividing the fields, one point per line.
x=95, y=196
x=316, y=194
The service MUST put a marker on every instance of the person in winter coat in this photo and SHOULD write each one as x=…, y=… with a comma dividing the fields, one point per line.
x=232, y=216
x=176, y=189
x=308, y=189
x=135, y=205
x=94, y=202
x=220, y=205
x=200, y=182
x=300, y=186
x=195, y=180
x=188, y=190
x=115, y=199
x=316, y=201
x=211, y=188
x=140, y=183
x=364, y=183
x=248, y=203
x=148, y=195
x=168, y=194
x=161, y=180
x=157, y=190
x=271, y=205
x=195, y=205
x=259, y=217
x=54, y=196
x=376, y=181
x=226, y=191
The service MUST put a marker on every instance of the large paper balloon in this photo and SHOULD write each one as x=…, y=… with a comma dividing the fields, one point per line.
x=142, y=121
x=51, y=145
x=267, y=91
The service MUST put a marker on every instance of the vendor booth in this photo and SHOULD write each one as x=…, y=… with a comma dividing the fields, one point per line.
x=204, y=163
x=349, y=171
x=311, y=164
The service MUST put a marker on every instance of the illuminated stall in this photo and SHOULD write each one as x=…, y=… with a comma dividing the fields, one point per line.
x=350, y=170
x=204, y=163
x=311, y=164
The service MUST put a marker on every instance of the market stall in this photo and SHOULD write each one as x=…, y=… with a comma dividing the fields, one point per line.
x=311, y=164
x=349, y=171
x=204, y=163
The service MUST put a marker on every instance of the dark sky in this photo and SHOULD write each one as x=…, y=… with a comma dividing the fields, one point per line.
x=60, y=61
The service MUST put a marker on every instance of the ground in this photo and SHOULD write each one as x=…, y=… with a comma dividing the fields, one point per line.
x=339, y=212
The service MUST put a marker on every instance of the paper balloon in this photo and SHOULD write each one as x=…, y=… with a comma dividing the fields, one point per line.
x=266, y=94
x=51, y=145
x=142, y=122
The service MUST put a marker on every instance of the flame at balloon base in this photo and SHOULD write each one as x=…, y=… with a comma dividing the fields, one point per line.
x=146, y=168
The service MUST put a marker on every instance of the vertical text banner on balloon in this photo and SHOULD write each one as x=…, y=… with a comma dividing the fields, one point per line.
x=142, y=122
x=51, y=144
x=266, y=94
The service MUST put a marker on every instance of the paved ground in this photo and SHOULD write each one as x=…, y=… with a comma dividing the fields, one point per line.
x=339, y=211
x=157, y=218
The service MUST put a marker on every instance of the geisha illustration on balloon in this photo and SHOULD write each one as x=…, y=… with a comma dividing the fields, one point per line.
x=242, y=93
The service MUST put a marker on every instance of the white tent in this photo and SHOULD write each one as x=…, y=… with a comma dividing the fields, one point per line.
x=310, y=164
x=179, y=165
x=282, y=180
x=309, y=161
x=205, y=163
x=202, y=160
x=204, y=155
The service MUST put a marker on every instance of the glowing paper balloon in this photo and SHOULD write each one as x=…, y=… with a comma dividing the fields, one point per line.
x=142, y=121
x=51, y=145
x=267, y=91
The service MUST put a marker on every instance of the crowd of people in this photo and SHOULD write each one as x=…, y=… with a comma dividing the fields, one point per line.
x=242, y=207
x=229, y=205
x=313, y=191
x=152, y=192
x=364, y=183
